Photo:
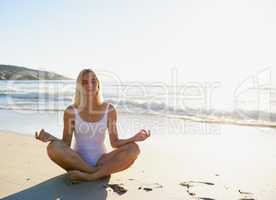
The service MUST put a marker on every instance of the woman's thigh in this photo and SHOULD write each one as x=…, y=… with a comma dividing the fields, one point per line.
x=110, y=155
x=107, y=157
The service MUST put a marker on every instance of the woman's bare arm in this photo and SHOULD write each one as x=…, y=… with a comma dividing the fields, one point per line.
x=68, y=119
x=113, y=133
x=68, y=128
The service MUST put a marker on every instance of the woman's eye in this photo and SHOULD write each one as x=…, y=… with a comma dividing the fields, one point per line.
x=84, y=82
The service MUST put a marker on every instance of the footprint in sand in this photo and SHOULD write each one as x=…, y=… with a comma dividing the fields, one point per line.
x=150, y=187
x=147, y=189
x=118, y=188
x=247, y=199
x=191, y=184
x=246, y=195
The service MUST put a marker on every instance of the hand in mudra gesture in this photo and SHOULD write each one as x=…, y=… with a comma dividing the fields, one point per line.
x=44, y=136
x=141, y=135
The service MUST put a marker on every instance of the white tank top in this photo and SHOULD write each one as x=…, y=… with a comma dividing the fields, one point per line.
x=90, y=137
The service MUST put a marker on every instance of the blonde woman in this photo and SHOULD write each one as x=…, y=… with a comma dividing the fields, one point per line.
x=88, y=119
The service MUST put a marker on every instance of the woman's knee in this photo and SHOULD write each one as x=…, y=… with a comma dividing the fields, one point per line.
x=134, y=149
x=54, y=149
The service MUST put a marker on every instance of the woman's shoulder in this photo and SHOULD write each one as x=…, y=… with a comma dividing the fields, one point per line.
x=70, y=110
x=110, y=107
x=112, y=113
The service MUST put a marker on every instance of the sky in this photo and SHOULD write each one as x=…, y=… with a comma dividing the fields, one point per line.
x=147, y=40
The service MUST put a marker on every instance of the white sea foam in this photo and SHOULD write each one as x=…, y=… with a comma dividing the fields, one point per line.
x=145, y=99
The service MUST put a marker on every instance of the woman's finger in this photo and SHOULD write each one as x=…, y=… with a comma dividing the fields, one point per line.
x=41, y=131
x=44, y=137
x=148, y=133
x=143, y=131
x=38, y=136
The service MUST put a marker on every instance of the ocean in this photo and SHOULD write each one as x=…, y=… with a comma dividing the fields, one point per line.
x=29, y=105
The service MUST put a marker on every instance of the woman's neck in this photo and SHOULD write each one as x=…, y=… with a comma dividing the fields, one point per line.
x=92, y=104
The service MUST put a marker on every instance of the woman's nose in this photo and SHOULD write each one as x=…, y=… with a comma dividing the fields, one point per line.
x=90, y=85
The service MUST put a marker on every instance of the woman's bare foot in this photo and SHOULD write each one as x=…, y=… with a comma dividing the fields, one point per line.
x=76, y=176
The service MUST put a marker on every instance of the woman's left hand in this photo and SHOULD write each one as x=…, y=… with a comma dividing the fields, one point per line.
x=141, y=135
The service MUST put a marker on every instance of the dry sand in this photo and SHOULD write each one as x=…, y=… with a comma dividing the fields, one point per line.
x=237, y=163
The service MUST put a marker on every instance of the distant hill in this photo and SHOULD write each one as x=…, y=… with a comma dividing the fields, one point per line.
x=10, y=72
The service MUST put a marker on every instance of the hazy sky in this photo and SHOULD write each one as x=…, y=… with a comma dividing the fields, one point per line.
x=203, y=40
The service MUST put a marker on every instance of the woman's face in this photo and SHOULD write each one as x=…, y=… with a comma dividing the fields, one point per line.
x=90, y=83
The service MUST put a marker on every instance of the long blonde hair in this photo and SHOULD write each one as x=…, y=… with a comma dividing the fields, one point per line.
x=79, y=100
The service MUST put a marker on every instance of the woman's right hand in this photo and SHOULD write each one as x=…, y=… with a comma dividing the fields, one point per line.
x=141, y=135
x=44, y=136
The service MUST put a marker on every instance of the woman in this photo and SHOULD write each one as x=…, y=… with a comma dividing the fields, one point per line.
x=88, y=118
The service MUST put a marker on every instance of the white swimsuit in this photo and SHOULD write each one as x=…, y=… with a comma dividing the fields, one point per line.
x=90, y=137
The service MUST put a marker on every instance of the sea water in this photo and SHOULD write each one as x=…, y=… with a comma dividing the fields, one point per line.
x=26, y=106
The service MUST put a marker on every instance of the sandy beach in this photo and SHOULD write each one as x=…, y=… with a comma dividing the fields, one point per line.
x=236, y=163
x=192, y=82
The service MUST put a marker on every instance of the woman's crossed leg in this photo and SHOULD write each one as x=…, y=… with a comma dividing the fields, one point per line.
x=78, y=170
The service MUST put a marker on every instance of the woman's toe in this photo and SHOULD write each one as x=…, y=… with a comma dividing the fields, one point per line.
x=75, y=175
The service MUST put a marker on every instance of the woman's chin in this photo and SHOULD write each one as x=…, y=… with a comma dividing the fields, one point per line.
x=91, y=93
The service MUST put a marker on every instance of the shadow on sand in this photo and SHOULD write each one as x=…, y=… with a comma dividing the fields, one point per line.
x=61, y=188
